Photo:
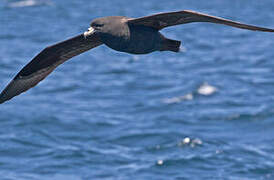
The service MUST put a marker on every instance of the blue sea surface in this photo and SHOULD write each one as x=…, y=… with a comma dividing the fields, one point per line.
x=205, y=113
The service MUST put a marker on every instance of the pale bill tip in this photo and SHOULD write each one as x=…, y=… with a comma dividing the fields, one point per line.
x=89, y=31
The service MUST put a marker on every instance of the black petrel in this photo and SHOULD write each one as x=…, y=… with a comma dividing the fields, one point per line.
x=131, y=35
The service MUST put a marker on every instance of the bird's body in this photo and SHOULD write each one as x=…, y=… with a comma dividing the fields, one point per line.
x=135, y=39
x=130, y=35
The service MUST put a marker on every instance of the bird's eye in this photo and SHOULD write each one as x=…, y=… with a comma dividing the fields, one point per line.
x=97, y=25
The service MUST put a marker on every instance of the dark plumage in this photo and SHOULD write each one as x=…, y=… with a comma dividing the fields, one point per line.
x=131, y=35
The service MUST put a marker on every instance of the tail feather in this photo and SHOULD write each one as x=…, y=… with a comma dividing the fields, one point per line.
x=170, y=45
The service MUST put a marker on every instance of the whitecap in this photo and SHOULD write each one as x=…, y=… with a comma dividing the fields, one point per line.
x=191, y=142
x=27, y=3
x=206, y=89
x=160, y=162
x=178, y=99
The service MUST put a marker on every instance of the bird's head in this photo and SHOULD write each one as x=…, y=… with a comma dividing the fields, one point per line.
x=105, y=25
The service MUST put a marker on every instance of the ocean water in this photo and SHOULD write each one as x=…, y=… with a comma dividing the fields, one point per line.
x=205, y=113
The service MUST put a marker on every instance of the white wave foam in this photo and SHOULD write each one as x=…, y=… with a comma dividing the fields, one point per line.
x=27, y=3
x=191, y=142
x=206, y=89
x=179, y=99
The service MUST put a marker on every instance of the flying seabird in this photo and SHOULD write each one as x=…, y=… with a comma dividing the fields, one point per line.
x=131, y=35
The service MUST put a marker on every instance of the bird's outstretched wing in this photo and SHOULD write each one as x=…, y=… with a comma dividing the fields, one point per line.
x=163, y=20
x=45, y=62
